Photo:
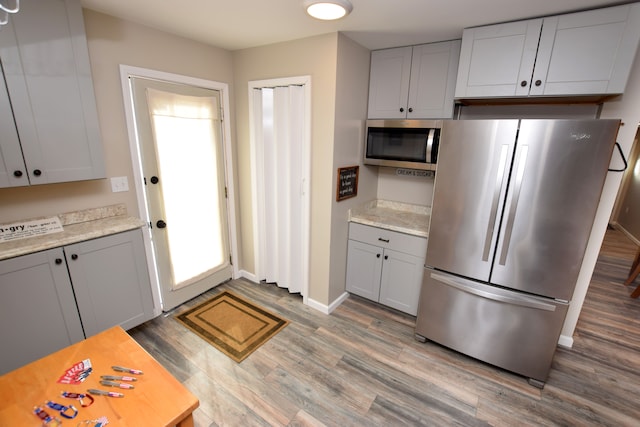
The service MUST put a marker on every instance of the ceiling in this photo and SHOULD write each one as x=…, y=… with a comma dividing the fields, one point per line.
x=375, y=24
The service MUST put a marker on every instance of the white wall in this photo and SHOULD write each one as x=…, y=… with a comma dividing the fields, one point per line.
x=416, y=190
x=626, y=108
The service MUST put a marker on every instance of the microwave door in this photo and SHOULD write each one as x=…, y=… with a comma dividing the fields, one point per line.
x=407, y=147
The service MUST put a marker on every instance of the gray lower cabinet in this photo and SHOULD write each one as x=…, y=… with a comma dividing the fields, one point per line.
x=385, y=266
x=38, y=313
x=54, y=298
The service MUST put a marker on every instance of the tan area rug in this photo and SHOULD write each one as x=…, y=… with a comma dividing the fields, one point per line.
x=232, y=324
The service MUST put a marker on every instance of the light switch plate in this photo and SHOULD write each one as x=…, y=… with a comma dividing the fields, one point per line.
x=119, y=183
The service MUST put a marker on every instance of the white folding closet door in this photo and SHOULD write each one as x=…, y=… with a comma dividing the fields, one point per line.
x=280, y=141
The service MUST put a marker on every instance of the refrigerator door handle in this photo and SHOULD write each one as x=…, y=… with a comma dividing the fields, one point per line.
x=495, y=202
x=520, y=300
x=522, y=162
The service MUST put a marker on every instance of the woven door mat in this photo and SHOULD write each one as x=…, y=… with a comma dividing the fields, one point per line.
x=232, y=324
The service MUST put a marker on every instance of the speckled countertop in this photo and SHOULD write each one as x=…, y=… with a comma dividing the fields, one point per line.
x=78, y=226
x=395, y=216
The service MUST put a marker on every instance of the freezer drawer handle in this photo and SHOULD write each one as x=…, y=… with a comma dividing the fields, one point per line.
x=521, y=301
x=494, y=203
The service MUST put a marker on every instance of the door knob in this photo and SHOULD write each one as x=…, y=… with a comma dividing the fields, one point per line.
x=161, y=224
x=154, y=180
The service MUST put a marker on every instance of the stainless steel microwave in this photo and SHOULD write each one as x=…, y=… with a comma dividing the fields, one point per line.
x=411, y=144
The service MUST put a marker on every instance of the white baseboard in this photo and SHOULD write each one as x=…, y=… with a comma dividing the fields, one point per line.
x=626, y=233
x=249, y=276
x=565, y=341
x=327, y=309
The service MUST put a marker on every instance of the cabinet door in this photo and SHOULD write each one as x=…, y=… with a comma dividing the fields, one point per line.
x=38, y=313
x=401, y=281
x=588, y=52
x=433, y=78
x=46, y=63
x=111, y=281
x=498, y=60
x=12, y=170
x=364, y=265
x=389, y=83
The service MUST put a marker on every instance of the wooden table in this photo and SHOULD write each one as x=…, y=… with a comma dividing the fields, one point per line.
x=158, y=399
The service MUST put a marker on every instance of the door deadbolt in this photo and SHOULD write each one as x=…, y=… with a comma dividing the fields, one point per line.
x=154, y=180
x=161, y=224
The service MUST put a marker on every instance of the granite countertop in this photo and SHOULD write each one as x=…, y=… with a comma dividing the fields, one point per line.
x=77, y=226
x=395, y=216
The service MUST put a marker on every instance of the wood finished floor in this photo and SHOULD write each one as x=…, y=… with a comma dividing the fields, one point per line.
x=360, y=366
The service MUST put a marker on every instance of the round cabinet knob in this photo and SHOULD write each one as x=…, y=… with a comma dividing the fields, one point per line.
x=74, y=257
x=377, y=255
x=58, y=261
x=154, y=180
x=161, y=224
x=538, y=82
x=17, y=174
x=386, y=257
x=37, y=172
x=410, y=110
x=523, y=83
x=401, y=110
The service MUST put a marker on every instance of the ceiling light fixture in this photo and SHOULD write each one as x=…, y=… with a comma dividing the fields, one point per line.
x=7, y=7
x=328, y=10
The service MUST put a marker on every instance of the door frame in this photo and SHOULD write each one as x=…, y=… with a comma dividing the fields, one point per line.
x=127, y=71
x=255, y=152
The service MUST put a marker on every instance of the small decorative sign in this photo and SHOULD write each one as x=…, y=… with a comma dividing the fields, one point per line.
x=414, y=172
x=347, y=182
x=22, y=230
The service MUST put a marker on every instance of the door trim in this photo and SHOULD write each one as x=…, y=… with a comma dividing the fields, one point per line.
x=127, y=71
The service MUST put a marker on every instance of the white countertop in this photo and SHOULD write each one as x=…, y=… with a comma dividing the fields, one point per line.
x=78, y=226
x=395, y=216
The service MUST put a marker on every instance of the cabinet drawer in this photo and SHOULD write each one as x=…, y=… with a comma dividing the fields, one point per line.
x=413, y=245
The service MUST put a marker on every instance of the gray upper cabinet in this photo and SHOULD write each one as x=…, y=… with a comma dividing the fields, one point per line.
x=577, y=54
x=413, y=82
x=48, y=114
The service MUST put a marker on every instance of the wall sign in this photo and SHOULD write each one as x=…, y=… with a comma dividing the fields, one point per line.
x=347, y=182
x=414, y=172
x=22, y=230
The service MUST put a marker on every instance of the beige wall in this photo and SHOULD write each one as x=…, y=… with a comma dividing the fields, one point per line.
x=314, y=56
x=351, y=111
x=627, y=215
x=113, y=42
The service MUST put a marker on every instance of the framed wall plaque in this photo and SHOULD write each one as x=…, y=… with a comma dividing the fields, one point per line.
x=347, y=182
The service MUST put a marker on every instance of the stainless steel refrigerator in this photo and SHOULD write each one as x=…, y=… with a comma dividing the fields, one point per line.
x=513, y=206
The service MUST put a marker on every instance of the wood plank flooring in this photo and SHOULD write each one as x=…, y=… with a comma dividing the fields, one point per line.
x=361, y=366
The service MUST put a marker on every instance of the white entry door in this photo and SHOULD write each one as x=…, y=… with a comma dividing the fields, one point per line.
x=180, y=139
